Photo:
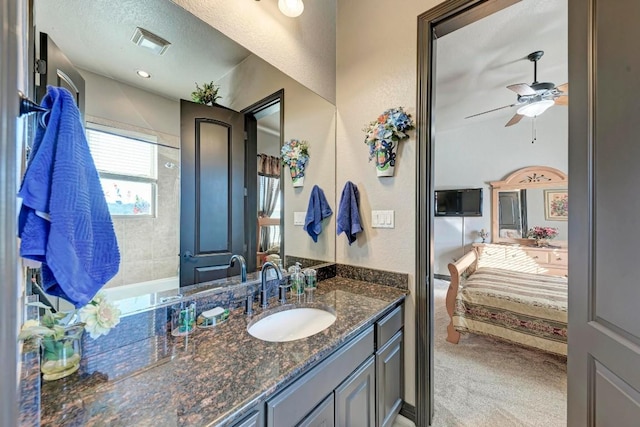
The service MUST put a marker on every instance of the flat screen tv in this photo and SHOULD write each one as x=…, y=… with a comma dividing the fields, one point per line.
x=462, y=202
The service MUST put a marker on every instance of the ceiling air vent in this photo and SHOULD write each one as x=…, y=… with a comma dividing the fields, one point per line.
x=148, y=40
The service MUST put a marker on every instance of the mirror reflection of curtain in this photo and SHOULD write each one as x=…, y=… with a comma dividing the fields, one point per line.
x=268, y=197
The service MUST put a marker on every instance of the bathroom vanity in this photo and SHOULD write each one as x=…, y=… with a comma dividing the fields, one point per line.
x=225, y=377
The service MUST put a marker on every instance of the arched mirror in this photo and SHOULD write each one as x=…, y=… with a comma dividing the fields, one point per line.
x=535, y=196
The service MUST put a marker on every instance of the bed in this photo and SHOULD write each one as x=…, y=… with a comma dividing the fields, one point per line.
x=505, y=292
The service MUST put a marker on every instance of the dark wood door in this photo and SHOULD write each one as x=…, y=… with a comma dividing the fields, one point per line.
x=604, y=292
x=55, y=69
x=212, y=212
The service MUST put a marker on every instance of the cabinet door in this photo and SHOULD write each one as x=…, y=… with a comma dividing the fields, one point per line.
x=254, y=419
x=355, y=398
x=322, y=416
x=389, y=380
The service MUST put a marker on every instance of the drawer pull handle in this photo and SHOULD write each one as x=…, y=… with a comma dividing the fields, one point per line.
x=558, y=259
x=535, y=257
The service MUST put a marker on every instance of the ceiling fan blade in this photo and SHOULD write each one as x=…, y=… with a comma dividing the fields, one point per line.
x=562, y=100
x=522, y=89
x=515, y=119
x=491, y=111
x=563, y=88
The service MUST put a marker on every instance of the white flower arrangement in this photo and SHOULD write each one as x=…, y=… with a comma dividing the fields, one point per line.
x=98, y=316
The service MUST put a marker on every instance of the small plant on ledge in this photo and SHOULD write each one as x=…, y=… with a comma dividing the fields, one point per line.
x=207, y=94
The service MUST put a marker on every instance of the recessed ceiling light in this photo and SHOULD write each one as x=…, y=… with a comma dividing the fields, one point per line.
x=291, y=8
x=143, y=74
x=147, y=39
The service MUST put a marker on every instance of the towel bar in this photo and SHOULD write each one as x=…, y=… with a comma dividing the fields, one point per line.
x=27, y=106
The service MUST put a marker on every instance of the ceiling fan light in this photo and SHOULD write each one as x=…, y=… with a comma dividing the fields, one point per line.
x=536, y=108
x=291, y=8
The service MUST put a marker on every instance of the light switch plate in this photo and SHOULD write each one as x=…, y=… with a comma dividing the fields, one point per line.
x=382, y=219
x=298, y=218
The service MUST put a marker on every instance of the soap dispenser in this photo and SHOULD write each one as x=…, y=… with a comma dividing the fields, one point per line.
x=296, y=279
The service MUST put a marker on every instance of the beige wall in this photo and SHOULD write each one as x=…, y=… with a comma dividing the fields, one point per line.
x=309, y=117
x=303, y=47
x=376, y=70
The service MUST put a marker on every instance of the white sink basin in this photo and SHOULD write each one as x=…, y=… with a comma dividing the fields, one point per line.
x=292, y=324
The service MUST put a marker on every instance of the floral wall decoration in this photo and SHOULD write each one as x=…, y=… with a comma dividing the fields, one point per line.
x=295, y=154
x=383, y=136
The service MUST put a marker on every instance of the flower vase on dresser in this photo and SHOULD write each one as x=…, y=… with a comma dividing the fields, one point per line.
x=542, y=235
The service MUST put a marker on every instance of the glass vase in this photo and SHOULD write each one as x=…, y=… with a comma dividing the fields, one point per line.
x=542, y=243
x=61, y=356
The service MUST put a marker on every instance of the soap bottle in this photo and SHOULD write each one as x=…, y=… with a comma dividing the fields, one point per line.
x=296, y=279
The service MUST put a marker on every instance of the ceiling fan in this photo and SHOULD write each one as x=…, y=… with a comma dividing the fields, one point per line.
x=536, y=98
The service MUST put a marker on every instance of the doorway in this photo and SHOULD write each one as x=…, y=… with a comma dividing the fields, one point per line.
x=434, y=25
x=265, y=119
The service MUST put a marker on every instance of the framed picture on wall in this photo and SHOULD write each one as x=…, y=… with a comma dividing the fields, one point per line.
x=556, y=205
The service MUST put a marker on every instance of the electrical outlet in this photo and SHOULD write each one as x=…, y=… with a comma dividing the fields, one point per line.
x=298, y=218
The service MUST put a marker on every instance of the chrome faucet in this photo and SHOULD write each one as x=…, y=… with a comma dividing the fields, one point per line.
x=264, y=292
x=243, y=266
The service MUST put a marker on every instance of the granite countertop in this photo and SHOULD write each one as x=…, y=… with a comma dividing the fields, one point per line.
x=212, y=376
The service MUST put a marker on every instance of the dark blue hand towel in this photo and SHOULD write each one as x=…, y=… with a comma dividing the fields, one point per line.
x=348, y=212
x=317, y=210
x=64, y=219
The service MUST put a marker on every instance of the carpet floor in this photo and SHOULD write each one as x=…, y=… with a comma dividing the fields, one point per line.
x=486, y=382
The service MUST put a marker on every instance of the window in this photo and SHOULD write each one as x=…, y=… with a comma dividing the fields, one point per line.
x=127, y=164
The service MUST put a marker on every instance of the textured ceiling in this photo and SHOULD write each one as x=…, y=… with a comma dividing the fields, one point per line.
x=96, y=36
x=477, y=62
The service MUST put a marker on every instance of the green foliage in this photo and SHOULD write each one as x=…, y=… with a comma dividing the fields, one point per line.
x=207, y=94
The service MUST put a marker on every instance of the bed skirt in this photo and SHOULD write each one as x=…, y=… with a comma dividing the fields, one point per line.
x=527, y=309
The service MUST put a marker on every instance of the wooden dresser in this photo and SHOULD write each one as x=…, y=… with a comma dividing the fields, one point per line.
x=547, y=260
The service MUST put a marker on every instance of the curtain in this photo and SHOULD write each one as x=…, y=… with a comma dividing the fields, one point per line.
x=268, y=197
x=268, y=166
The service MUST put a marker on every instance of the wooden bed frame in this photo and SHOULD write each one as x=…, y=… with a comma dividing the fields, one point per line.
x=466, y=263
x=545, y=261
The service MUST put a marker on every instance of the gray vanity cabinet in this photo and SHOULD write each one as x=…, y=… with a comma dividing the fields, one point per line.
x=360, y=384
x=291, y=406
x=389, y=380
x=389, y=367
x=253, y=419
x=355, y=398
x=322, y=416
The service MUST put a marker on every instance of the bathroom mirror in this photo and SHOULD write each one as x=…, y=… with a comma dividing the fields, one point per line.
x=530, y=197
x=99, y=38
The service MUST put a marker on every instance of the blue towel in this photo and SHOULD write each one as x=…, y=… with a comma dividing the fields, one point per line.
x=348, y=214
x=317, y=210
x=64, y=220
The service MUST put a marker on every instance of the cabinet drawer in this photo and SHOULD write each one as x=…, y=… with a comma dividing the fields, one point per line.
x=541, y=257
x=389, y=325
x=559, y=258
x=297, y=400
